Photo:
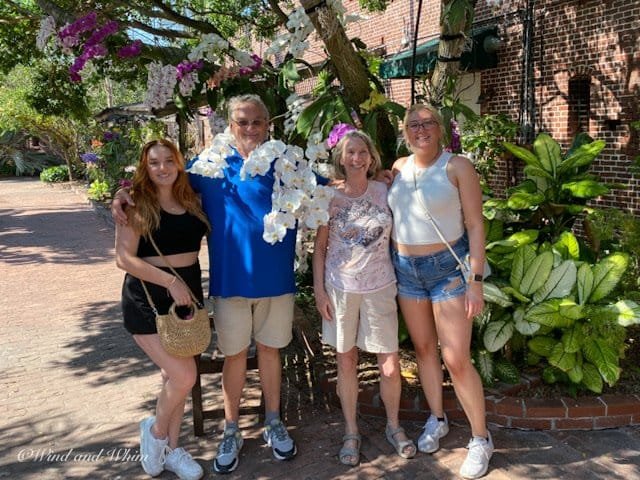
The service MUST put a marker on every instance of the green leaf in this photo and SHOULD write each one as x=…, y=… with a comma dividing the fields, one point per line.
x=591, y=378
x=522, y=259
x=627, y=311
x=516, y=294
x=548, y=313
x=606, y=275
x=576, y=374
x=533, y=358
x=524, y=326
x=312, y=115
x=497, y=334
x=524, y=201
x=565, y=361
x=548, y=152
x=586, y=188
x=493, y=294
x=599, y=352
x=542, y=345
x=537, y=273
x=571, y=339
x=581, y=156
x=584, y=283
x=559, y=284
x=568, y=245
x=533, y=171
x=289, y=71
x=506, y=371
x=570, y=309
x=484, y=365
x=523, y=154
x=551, y=375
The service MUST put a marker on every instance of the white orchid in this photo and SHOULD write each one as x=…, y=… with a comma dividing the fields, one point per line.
x=46, y=31
x=210, y=48
x=274, y=227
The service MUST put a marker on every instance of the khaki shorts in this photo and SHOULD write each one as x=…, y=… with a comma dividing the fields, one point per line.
x=269, y=320
x=366, y=320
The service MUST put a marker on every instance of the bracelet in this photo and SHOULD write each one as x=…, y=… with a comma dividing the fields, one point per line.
x=172, y=282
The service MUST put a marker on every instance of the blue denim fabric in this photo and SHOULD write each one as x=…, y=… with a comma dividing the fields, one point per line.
x=430, y=277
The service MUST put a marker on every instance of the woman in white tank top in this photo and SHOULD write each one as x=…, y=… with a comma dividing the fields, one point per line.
x=437, y=304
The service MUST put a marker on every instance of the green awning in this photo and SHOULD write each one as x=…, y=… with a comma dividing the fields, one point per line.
x=481, y=56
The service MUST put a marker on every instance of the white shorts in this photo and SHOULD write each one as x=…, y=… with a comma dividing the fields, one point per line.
x=366, y=320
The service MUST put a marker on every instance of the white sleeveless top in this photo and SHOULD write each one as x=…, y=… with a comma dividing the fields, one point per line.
x=358, y=258
x=410, y=223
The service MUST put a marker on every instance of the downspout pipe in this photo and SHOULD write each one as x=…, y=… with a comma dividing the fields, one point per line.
x=527, y=88
x=413, y=54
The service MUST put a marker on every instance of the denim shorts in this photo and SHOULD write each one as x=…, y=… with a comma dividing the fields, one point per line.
x=434, y=277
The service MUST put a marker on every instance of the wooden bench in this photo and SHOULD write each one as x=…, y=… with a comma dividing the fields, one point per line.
x=211, y=362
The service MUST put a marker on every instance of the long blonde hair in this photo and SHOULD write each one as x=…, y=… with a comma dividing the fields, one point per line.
x=146, y=213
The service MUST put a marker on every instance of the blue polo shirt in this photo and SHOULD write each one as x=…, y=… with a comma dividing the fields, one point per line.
x=241, y=263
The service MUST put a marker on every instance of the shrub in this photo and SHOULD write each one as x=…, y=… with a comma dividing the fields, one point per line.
x=59, y=173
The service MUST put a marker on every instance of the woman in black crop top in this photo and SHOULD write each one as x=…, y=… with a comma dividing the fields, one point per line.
x=167, y=209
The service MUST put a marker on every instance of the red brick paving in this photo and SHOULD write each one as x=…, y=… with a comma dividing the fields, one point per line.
x=74, y=386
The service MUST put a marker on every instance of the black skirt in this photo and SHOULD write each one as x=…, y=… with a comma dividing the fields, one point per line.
x=138, y=315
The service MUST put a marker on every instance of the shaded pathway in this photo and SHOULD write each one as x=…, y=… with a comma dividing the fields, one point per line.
x=73, y=386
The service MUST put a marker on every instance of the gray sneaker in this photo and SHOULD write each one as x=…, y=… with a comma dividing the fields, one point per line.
x=226, y=460
x=434, y=430
x=477, y=462
x=277, y=437
x=152, y=450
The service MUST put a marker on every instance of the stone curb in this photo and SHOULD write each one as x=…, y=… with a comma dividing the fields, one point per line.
x=508, y=411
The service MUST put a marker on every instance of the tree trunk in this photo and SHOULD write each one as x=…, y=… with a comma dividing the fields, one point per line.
x=349, y=67
x=456, y=18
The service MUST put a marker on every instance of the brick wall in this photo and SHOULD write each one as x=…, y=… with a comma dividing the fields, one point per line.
x=597, y=38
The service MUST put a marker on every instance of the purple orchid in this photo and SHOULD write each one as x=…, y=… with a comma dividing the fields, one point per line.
x=337, y=132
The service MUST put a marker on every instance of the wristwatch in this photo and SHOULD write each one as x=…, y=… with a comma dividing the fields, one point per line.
x=476, y=277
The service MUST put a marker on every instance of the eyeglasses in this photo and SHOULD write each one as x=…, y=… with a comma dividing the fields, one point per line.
x=415, y=127
x=245, y=123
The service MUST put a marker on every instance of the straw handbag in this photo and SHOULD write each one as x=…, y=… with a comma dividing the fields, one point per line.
x=181, y=337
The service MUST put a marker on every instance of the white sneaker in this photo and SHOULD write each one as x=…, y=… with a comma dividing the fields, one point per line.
x=182, y=464
x=477, y=462
x=434, y=430
x=152, y=450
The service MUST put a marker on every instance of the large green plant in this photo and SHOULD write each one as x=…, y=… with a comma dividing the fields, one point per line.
x=548, y=304
x=557, y=312
x=556, y=188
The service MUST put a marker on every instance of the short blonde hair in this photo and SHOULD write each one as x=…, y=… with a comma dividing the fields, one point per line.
x=338, y=151
x=418, y=107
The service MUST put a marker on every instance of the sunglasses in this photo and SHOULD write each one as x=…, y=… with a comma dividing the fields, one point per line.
x=245, y=123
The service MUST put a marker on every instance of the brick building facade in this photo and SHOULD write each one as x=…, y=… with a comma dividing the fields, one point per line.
x=585, y=65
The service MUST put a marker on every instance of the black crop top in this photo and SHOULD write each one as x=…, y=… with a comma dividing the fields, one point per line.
x=176, y=234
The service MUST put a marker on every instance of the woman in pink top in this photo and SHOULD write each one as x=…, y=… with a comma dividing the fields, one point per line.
x=355, y=287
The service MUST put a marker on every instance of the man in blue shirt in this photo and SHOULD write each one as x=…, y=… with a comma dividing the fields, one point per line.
x=252, y=282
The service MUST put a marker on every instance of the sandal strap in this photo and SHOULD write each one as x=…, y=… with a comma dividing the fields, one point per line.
x=394, y=431
x=352, y=436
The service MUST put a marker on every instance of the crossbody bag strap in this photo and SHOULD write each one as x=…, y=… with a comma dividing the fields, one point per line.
x=146, y=291
x=430, y=218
